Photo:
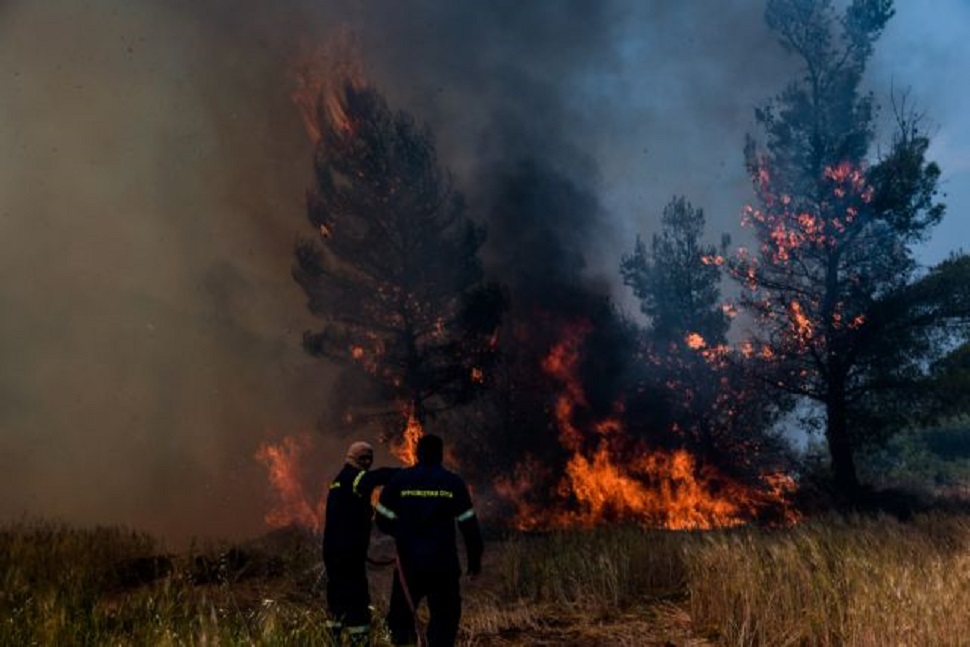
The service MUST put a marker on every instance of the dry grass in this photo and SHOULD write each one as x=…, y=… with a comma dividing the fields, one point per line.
x=827, y=582
x=865, y=582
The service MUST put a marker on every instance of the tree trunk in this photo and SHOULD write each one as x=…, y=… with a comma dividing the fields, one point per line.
x=841, y=450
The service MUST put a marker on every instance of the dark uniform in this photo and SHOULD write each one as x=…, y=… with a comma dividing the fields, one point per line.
x=346, y=537
x=419, y=507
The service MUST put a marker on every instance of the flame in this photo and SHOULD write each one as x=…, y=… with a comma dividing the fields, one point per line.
x=561, y=364
x=801, y=323
x=660, y=489
x=608, y=479
x=293, y=505
x=695, y=341
x=406, y=450
x=321, y=78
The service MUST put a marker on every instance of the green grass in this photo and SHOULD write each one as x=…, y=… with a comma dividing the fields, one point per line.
x=832, y=581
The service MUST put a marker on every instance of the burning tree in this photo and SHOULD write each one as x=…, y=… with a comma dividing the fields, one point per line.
x=716, y=411
x=835, y=231
x=393, y=271
x=539, y=223
x=677, y=282
x=590, y=439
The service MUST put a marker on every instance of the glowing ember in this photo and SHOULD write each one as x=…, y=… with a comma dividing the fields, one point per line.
x=293, y=505
x=695, y=341
x=800, y=322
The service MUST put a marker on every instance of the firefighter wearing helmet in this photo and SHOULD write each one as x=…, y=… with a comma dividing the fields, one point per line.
x=346, y=537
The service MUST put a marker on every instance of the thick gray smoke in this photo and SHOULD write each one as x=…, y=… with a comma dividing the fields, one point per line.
x=153, y=172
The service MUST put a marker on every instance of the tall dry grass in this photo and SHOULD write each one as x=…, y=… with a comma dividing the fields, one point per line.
x=833, y=581
x=596, y=570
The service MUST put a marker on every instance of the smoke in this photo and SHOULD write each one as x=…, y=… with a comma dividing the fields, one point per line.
x=153, y=173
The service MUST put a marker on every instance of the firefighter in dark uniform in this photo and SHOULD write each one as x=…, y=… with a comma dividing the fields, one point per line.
x=346, y=537
x=419, y=508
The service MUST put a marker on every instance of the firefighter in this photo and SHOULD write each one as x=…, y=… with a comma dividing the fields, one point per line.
x=346, y=536
x=419, y=508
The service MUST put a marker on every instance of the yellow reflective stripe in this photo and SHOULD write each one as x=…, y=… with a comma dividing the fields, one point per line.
x=438, y=494
x=360, y=629
x=387, y=512
x=335, y=485
x=333, y=624
x=357, y=481
x=467, y=514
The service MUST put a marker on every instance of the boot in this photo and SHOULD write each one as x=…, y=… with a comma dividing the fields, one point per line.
x=333, y=633
x=359, y=636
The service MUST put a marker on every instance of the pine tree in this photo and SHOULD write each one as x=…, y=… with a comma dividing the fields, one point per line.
x=394, y=272
x=835, y=229
x=708, y=400
x=678, y=281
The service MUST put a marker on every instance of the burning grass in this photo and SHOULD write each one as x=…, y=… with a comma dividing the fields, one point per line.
x=832, y=581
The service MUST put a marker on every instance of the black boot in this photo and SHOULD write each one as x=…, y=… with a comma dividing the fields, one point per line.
x=333, y=633
x=359, y=636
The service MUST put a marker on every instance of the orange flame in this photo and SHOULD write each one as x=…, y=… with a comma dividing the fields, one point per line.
x=561, y=364
x=406, y=450
x=653, y=488
x=659, y=489
x=695, y=341
x=293, y=505
x=322, y=75
x=800, y=321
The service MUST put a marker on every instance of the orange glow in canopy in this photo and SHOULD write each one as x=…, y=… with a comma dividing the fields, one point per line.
x=695, y=341
x=322, y=77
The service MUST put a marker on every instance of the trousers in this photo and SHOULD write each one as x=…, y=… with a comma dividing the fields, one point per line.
x=441, y=589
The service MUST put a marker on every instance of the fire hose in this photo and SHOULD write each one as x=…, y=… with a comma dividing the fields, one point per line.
x=418, y=629
x=396, y=560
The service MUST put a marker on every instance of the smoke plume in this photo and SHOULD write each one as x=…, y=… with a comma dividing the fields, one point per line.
x=153, y=177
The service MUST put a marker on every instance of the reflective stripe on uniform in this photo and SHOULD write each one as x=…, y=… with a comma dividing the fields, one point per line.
x=359, y=629
x=387, y=512
x=335, y=485
x=467, y=514
x=357, y=481
x=334, y=624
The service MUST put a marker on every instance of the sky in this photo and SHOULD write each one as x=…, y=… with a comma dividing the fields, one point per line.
x=152, y=179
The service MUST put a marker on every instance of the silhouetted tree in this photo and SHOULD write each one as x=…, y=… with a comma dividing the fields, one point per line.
x=394, y=273
x=678, y=281
x=831, y=282
x=711, y=406
x=914, y=353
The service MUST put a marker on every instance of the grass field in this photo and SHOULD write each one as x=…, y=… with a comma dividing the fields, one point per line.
x=870, y=581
